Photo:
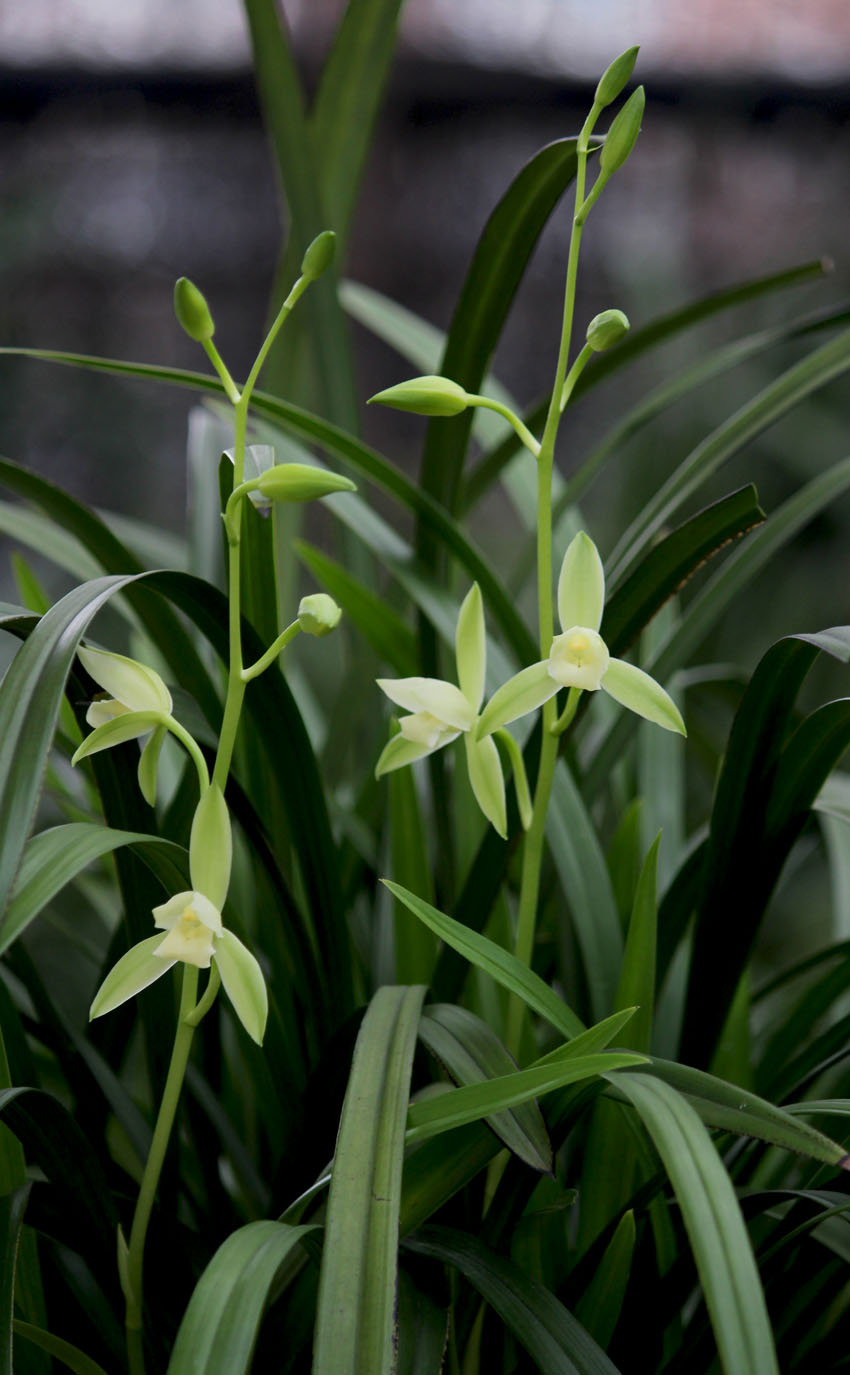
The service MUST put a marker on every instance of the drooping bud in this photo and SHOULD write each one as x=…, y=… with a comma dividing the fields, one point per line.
x=211, y=847
x=424, y=396
x=192, y=311
x=606, y=329
x=622, y=136
x=319, y=255
x=614, y=78
x=301, y=482
x=318, y=614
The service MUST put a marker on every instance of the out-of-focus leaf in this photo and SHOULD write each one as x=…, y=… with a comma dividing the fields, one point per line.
x=555, y=1340
x=70, y=1356
x=12, y=1208
x=390, y=637
x=599, y=1306
x=637, y=978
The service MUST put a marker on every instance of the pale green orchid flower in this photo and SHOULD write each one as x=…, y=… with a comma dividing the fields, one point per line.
x=195, y=932
x=579, y=658
x=440, y=712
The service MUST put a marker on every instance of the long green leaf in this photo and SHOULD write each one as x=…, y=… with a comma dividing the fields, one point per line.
x=472, y=1052
x=52, y=859
x=713, y=1221
x=390, y=637
x=774, y=401
x=637, y=978
x=70, y=1356
x=220, y=1325
x=556, y=1342
x=357, y=1283
x=505, y=968
x=460, y=1106
x=12, y=1208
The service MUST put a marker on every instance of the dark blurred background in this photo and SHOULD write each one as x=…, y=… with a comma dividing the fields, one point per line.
x=132, y=151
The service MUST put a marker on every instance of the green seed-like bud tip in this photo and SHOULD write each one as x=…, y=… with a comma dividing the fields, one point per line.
x=614, y=78
x=319, y=255
x=192, y=311
x=425, y=396
x=606, y=329
x=622, y=136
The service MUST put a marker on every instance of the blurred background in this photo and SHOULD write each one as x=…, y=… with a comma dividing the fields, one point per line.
x=132, y=151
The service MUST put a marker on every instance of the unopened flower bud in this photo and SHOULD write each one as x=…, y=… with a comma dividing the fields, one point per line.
x=192, y=311
x=622, y=136
x=614, y=78
x=606, y=329
x=301, y=482
x=318, y=614
x=425, y=396
x=319, y=255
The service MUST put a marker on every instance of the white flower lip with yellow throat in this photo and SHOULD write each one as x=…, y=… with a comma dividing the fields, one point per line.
x=579, y=657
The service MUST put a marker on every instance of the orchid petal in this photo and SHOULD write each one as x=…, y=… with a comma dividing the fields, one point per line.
x=133, y=972
x=581, y=585
x=471, y=647
x=128, y=726
x=244, y=984
x=441, y=699
x=528, y=689
x=487, y=779
x=169, y=913
x=103, y=710
x=579, y=658
x=398, y=752
x=633, y=688
x=134, y=684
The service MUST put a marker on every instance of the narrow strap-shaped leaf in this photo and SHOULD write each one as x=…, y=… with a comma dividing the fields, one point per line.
x=555, y=1340
x=775, y=400
x=505, y=968
x=12, y=1208
x=731, y=1108
x=471, y=1052
x=713, y=1221
x=637, y=978
x=70, y=1356
x=601, y=1303
x=671, y=561
x=743, y=861
x=220, y=1325
x=457, y=1107
x=491, y=283
x=30, y=695
x=55, y=857
x=721, y=591
x=423, y=1330
x=357, y=1284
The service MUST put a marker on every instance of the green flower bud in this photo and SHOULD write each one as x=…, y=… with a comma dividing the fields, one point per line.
x=319, y=255
x=614, y=78
x=622, y=136
x=192, y=311
x=606, y=329
x=300, y=482
x=425, y=396
x=318, y=614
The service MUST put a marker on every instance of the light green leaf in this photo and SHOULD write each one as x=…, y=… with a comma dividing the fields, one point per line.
x=581, y=585
x=461, y=1106
x=243, y=983
x=488, y=783
x=505, y=968
x=712, y=1218
x=133, y=972
x=357, y=1283
x=471, y=647
x=211, y=847
x=219, y=1328
x=70, y=1356
x=633, y=688
x=528, y=689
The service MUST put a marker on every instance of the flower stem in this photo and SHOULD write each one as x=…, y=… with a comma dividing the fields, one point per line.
x=153, y=1168
x=532, y=857
x=267, y=659
x=191, y=745
x=521, y=428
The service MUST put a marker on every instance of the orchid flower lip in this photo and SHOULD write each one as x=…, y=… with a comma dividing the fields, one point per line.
x=192, y=923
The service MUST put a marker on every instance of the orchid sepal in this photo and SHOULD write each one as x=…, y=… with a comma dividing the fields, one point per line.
x=528, y=689
x=243, y=983
x=581, y=584
x=127, y=725
x=637, y=691
x=136, y=970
